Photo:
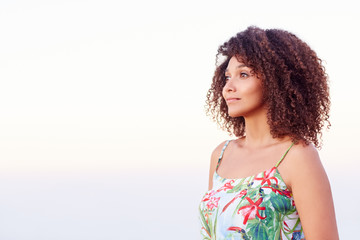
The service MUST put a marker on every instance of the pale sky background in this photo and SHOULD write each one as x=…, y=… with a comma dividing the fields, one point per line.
x=103, y=133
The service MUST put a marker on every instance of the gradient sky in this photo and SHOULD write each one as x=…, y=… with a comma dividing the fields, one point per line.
x=106, y=75
x=115, y=87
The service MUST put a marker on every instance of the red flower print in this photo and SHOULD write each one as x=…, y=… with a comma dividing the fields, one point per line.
x=286, y=227
x=249, y=211
x=213, y=202
x=286, y=193
x=268, y=175
x=206, y=231
x=236, y=229
x=239, y=195
x=227, y=186
x=208, y=195
x=281, y=192
x=275, y=190
x=207, y=218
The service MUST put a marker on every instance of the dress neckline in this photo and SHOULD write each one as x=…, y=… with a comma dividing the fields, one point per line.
x=215, y=173
x=219, y=178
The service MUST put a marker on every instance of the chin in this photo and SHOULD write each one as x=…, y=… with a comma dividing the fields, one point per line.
x=235, y=114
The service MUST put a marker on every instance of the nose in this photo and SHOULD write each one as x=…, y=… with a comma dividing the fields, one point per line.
x=229, y=86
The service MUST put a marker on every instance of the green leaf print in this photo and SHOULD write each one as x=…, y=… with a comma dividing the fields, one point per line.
x=236, y=235
x=204, y=223
x=213, y=232
x=238, y=187
x=269, y=220
x=280, y=203
x=259, y=231
x=210, y=227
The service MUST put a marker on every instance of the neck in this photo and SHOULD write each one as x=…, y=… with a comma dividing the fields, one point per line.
x=258, y=130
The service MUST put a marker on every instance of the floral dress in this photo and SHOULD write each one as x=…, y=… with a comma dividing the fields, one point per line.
x=254, y=207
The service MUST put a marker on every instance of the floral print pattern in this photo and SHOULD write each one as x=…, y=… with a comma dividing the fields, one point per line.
x=255, y=207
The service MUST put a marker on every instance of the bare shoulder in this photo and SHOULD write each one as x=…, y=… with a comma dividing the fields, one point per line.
x=214, y=160
x=304, y=155
x=311, y=191
x=301, y=162
x=217, y=151
x=215, y=156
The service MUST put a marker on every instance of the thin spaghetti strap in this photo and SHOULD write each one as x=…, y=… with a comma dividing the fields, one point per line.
x=278, y=163
x=221, y=154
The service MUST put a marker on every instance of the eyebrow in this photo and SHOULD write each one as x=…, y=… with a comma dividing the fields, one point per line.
x=239, y=66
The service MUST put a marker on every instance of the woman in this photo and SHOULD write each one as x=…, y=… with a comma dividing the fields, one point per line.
x=271, y=92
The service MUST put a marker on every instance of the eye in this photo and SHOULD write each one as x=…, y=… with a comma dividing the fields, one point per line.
x=227, y=78
x=244, y=75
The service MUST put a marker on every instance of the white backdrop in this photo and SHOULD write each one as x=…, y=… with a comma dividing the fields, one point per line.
x=103, y=133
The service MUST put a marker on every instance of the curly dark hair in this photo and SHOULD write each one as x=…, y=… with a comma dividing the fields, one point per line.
x=294, y=82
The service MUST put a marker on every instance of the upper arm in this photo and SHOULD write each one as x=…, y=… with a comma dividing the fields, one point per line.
x=213, y=162
x=312, y=194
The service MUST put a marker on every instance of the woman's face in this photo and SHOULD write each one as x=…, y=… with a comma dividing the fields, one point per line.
x=242, y=91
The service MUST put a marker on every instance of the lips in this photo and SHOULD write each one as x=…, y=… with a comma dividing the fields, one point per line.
x=231, y=100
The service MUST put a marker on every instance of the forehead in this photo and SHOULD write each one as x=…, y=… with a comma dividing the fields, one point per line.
x=234, y=64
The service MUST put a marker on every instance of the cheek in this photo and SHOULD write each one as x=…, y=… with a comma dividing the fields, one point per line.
x=252, y=90
x=254, y=94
